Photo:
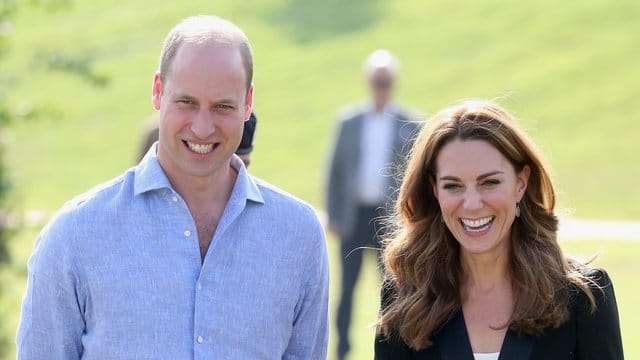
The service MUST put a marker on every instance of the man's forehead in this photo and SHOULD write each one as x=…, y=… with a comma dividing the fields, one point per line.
x=381, y=73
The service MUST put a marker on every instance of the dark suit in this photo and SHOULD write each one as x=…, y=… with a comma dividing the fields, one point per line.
x=583, y=337
x=357, y=220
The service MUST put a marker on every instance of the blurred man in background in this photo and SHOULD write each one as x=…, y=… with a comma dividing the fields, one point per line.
x=369, y=146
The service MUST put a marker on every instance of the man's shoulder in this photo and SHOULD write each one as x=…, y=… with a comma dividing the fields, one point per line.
x=81, y=214
x=103, y=191
x=352, y=112
x=277, y=197
x=98, y=198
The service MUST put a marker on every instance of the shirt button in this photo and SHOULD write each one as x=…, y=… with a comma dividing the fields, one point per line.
x=187, y=233
x=199, y=287
x=200, y=339
x=174, y=198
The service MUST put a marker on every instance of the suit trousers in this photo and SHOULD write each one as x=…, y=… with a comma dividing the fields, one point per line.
x=365, y=237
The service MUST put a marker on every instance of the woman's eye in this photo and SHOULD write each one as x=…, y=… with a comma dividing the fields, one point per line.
x=491, y=182
x=450, y=186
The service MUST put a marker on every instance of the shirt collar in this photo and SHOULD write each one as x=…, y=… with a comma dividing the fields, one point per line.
x=389, y=109
x=245, y=186
x=150, y=176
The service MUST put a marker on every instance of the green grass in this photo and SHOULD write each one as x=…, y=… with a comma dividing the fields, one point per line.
x=567, y=70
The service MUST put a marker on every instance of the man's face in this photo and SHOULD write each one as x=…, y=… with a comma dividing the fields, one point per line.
x=203, y=105
x=381, y=83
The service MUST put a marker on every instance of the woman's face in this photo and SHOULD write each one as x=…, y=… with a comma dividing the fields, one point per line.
x=477, y=189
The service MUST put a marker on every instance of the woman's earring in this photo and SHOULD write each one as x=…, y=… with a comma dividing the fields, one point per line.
x=517, y=209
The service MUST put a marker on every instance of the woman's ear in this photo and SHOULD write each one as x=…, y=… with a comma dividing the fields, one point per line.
x=523, y=181
x=434, y=187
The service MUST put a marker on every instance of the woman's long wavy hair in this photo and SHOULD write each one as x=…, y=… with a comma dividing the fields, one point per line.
x=422, y=258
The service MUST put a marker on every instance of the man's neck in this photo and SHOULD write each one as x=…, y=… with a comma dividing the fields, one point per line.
x=380, y=107
x=204, y=193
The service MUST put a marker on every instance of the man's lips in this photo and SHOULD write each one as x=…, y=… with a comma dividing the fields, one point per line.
x=202, y=149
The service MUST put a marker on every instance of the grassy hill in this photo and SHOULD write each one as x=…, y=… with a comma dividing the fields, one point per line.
x=568, y=70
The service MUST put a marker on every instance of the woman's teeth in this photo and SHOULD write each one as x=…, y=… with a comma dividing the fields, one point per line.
x=478, y=224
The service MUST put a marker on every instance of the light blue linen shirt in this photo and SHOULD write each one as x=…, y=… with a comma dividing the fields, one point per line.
x=117, y=274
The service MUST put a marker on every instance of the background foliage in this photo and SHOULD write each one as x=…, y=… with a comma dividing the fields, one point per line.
x=567, y=70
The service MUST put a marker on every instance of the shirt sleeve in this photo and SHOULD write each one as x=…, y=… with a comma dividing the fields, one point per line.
x=51, y=323
x=598, y=334
x=391, y=347
x=310, y=332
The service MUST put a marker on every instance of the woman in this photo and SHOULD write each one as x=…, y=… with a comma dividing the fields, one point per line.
x=474, y=270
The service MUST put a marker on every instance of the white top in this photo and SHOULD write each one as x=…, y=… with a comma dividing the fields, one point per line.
x=486, y=356
x=375, y=157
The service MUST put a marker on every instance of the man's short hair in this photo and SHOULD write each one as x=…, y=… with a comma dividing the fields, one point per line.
x=206, y=29
x=381, y=59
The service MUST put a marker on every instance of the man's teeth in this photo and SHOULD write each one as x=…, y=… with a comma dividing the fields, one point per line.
x=478, y=224
x=200, y=148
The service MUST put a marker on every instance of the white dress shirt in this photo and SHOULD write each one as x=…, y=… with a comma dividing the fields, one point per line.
x=486, y=356
x=375, y=156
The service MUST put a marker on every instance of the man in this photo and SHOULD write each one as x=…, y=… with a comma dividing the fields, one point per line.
x=243, y=151
x=246, y=144
x=184, y=256
x=369, y=149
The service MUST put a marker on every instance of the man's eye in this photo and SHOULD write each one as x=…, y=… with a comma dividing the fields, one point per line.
x=224, y=107
x=185, y=101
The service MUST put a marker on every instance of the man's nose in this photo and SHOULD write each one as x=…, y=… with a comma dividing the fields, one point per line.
x=203, y=124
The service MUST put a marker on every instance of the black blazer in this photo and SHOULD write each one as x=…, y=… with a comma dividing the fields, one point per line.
x=583, y=336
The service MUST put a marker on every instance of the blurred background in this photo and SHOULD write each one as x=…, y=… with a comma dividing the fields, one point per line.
x=75, y=96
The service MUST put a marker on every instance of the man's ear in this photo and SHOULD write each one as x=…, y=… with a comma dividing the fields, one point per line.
x=248, y=103
x=156, y=91
x=523, y=181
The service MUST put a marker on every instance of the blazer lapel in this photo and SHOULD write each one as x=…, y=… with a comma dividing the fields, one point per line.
x=398, y=141
x=516, y=347
x=454, y=340
x=454, y=343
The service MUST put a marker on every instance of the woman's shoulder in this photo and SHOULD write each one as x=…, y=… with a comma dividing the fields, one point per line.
x=597, y=286
x=597, y=274
x=596, y=316
x=593, y=277
x=388, y=292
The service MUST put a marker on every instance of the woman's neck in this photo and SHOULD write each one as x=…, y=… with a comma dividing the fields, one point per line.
x=484, y=272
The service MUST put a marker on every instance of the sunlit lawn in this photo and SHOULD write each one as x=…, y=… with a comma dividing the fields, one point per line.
x=566, y=69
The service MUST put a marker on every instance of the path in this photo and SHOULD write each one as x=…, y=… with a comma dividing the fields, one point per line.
x=588, y=229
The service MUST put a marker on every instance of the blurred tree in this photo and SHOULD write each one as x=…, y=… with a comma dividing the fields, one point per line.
x=80, y=65
x=7, y=9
